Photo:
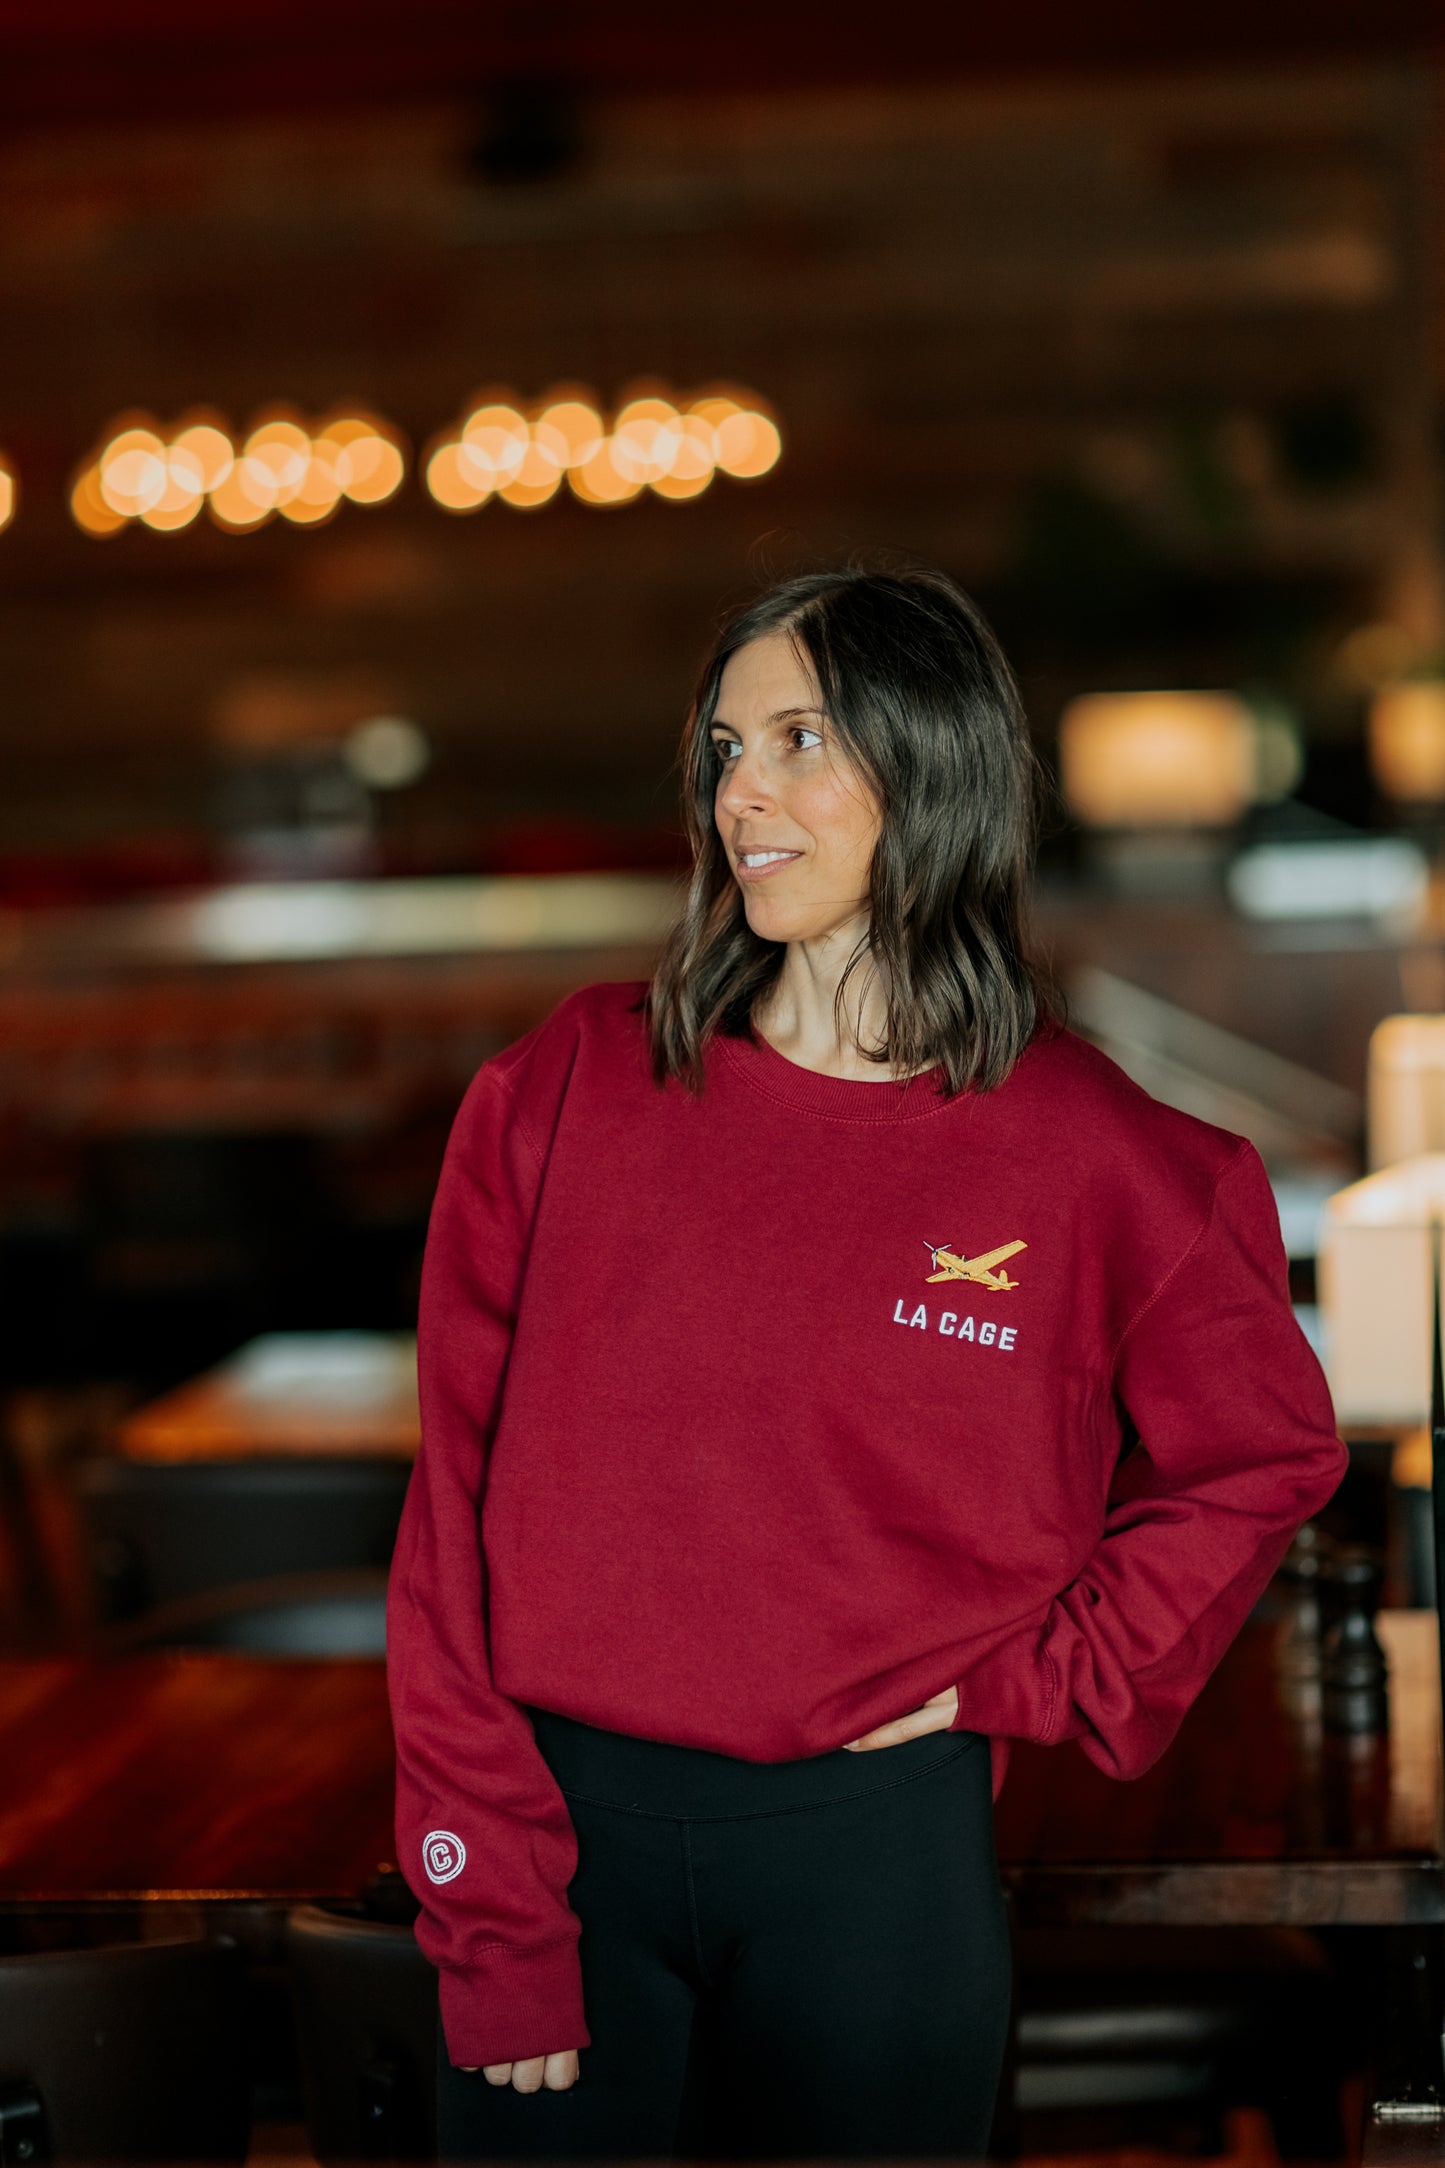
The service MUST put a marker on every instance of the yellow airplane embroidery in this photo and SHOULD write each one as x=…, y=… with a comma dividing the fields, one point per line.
x=954, y=1266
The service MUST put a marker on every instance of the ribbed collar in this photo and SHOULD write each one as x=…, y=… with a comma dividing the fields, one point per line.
x=839, y=1098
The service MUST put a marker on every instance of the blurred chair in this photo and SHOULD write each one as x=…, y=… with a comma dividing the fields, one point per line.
x=1150, y=2036
x=157, y=1533
x=365, y=2002
x=1114, y=2053
x=132, y=2052
x=294, y=1614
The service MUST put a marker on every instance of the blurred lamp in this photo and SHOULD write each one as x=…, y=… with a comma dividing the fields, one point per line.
x=1375, y=1288
x=1405, y=1089
x=7, y=493
x=1407, y=740
x=1158, y=760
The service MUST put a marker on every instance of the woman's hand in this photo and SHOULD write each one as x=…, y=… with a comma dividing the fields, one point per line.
x=935, y=1715
x=556, y=2072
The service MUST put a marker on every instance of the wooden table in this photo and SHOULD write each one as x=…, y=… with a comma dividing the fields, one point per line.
x=227, y=1776
x=1252, y=1817
x=188, y=1777
x=307, y=1394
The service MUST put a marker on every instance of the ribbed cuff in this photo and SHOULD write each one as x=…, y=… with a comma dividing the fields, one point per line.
x=509, y=2005
x=1012, y=1693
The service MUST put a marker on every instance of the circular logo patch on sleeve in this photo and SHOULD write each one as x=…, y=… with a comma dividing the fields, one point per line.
x=443, y=1855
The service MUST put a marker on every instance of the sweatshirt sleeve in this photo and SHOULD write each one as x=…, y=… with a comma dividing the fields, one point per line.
x=483, y=1833
x=1236, y=1447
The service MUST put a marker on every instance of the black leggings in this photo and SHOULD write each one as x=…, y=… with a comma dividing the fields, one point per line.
x=779, y=1959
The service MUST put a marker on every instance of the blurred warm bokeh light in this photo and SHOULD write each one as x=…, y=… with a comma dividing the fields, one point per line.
x=748, y=444
x=232, y=504
x=646, y=437
x=281, y=467
x=133, y=472
x=1407, y=740
x=673, y=448
x=273, y=463
x=537, y=479
x=693, y=462
x=599, y=480
x=286, y=467
x=208, y=443
x=88, y=507
x=576, y=422
x=366, y=454
x=8, y=493
x=451, y=484
x=494, y=441
x=183, y=491
x=1158, y=759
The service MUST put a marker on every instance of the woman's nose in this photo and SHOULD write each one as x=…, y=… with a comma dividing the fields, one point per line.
x=744, y=790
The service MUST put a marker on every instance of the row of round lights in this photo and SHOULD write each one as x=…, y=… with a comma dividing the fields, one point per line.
x=653, y=442
x=164, y=477
x=284, y=466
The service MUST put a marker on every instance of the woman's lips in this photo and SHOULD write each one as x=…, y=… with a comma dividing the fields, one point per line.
x=771, y=864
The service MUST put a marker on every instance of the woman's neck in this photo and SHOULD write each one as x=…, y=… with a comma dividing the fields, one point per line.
x=800, y=1017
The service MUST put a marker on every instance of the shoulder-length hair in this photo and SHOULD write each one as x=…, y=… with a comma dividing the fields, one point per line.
x=922, y=700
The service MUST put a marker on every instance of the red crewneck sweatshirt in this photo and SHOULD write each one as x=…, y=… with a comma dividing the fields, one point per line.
x=752, y=1421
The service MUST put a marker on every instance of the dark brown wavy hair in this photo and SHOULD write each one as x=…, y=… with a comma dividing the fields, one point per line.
x=922, y=700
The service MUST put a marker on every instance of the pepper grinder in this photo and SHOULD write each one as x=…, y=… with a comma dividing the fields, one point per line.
x=1353, y=1668
x=1301, y=1580
x=1302, y=1585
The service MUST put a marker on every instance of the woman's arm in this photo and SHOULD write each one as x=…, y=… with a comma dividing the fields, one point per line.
x=483, y=1832
x=1237, y=1446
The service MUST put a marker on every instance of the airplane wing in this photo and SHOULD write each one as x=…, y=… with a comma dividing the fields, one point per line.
x=991, y=1258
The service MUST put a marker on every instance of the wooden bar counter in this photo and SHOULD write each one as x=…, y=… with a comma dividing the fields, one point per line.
x=199, y=1777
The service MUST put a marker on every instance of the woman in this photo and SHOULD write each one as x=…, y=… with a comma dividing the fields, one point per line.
x=829, y=1365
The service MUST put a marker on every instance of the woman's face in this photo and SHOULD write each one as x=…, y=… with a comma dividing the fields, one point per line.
x=797, y=819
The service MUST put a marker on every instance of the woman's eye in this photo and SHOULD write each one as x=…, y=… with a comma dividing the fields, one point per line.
x=801, y=731
x=726, y=748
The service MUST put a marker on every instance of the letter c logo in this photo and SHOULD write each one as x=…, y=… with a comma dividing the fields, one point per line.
x=443, y=1855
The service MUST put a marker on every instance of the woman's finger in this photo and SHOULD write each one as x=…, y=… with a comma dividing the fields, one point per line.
x=885, y=1735
x=936, y=1714
x=556, y=2072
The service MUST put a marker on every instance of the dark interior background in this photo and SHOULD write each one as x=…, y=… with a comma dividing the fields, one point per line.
x=1130, y=318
